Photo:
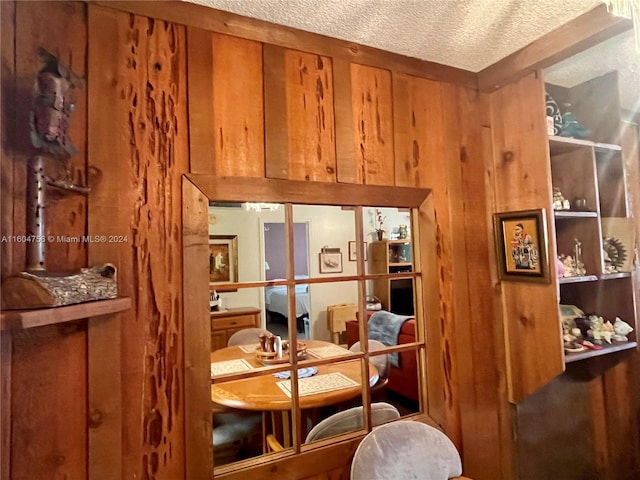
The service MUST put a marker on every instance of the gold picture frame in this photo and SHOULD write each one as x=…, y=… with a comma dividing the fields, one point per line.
x=223, y=259
x=521, y=246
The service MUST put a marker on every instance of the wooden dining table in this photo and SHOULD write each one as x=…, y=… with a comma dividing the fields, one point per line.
x=262, y=393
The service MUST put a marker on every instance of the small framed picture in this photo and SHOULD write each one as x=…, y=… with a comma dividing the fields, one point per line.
x=223, y=259
x=330, y=260
x=352, y=251
x=521, y=246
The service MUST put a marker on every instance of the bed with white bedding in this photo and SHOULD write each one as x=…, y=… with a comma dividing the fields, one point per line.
x=276, y=301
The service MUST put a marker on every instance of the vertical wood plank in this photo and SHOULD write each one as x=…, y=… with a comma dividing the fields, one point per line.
x=275, y=113
x=200, y=77
x=5, y=406
x=372, y=125
x=522, y=181
x=8, y=118
x=238, y=113
x=343, y=108
x=55, y=356
x=138, y=68
x=310, y=117
x=105, y=398
x=484, y=413
x=197, y=334
x=49, y=398
x=418, y=127
x=40, y=24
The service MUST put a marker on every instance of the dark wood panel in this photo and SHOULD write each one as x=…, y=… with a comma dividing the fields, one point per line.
x=139, y=83
x=372, y=125
x=310, y=117
x=250, y=28
x=238, y=109
x=554, y=432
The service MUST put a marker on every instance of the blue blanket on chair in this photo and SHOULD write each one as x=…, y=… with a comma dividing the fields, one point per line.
x=385, y=327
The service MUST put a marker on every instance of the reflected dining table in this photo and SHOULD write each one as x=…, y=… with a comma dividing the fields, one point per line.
x=332, y=383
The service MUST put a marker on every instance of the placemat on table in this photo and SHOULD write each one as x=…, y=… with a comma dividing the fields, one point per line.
x=328, y=351
x=249, y=348
x=319, y=384
x=230, y=366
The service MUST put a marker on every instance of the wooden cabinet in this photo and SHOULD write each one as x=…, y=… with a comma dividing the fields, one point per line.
x=225, y=323
x=393, y=256
x=597, y=227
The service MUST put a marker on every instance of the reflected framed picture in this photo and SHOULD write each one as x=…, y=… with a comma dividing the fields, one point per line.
x=352, y=251
x=521, y=245
x=330, y=260
x=223, y=259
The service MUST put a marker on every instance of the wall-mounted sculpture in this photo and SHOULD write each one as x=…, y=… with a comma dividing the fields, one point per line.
x=54, y=102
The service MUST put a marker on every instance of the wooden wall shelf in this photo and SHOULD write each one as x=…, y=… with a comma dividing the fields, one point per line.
x=559, y=145
x=21, y=319
x=586, y=278
x=618, y=347
x=569, y=214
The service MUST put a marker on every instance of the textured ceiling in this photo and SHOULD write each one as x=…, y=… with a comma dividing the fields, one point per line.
x=468, y=34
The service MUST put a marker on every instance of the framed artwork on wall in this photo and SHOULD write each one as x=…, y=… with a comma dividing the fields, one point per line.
x=521, y=246
x=223, y=259
x=352, y=251
x=330, y=260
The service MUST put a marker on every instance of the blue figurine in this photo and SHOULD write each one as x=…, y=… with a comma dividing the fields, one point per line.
x=572, y=128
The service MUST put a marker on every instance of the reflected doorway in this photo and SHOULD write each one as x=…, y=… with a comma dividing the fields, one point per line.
x=276, y=302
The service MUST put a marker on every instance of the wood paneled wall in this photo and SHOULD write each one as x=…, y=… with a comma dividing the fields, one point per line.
x=175, y=88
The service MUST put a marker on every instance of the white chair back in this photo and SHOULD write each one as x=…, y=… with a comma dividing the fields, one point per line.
x=406, y=450
x=246, y=336
x=351, y=420
x=381, y=362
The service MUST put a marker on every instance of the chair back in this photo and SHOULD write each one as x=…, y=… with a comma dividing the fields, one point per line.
x=407, y=450
x=246, y=336
x=351, y=420
x=337, y=316
x=381, y=362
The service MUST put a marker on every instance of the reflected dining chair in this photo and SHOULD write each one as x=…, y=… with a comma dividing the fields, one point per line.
x=337, y=316
x=345, y=421
x=381, y=362
x=406, y=450
x=233, y=430
x=246, y=336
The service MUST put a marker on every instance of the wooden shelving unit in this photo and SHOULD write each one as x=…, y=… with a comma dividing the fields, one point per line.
x=605, y=350
x=393, y=257
x=22, y=319
x=592, y=170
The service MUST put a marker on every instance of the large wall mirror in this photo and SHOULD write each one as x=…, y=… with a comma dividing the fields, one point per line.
x=313, y=303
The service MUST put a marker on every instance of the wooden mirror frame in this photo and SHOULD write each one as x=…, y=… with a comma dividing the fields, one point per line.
x=197, y=190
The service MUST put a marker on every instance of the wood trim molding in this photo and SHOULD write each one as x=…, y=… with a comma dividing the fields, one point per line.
x=242, y=189
x=585, y=31
x=219, y=21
